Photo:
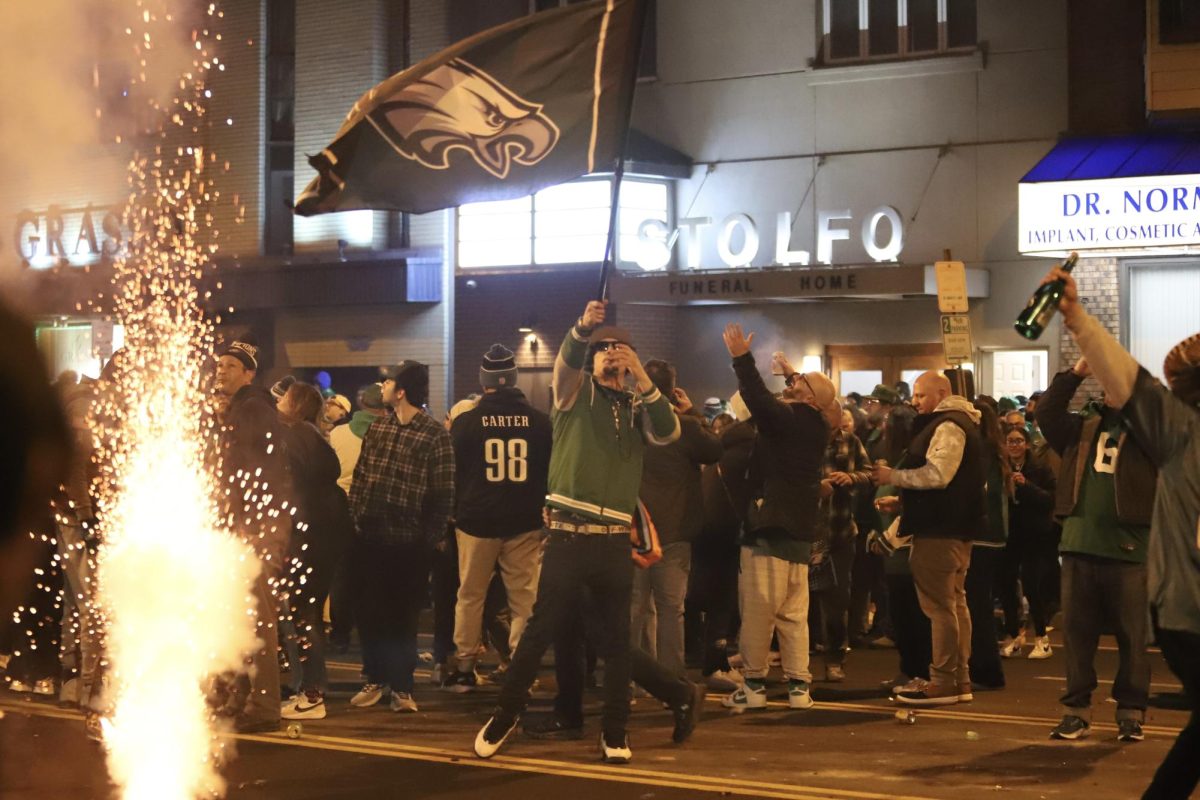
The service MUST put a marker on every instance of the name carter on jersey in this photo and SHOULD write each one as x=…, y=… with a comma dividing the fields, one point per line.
x=504, y=421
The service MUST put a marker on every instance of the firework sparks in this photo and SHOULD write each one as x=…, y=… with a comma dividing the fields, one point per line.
x=173, y=581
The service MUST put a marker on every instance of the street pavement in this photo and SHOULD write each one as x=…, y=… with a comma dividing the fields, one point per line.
x=850, y=746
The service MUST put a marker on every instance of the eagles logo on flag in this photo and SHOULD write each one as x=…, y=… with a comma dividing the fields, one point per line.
x=511, y=110
x=460, y=107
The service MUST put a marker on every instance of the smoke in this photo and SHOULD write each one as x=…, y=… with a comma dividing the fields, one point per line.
x=115, y=91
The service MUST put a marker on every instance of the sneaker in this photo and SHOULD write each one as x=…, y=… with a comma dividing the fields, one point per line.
x=751, y=694
x=44, y=687
x=687, y=716
x=932, y=695
x=20, y=686
x=460, y=682
x=615, y=749
x=834, y=673
x=1011, y=647
x=552, y=726
x=1072, y=728
x=309, y=705
x=493, y=735
x=799, y=696
x=965, y=693
x=368, y=695
x=1129, y=730
x=403, y=702
x=1041, y=648
x=725, y=680
x=911, y=685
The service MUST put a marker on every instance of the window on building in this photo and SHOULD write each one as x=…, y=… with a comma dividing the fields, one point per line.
x=564, y=224
x=1178, y=22
x=281, y=126
x=865, y=30
x=1163, y=308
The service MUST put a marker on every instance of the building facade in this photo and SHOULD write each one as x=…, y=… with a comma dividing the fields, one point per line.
x=795, y=165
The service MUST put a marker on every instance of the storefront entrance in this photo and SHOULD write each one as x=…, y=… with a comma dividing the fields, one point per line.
x=860, y=368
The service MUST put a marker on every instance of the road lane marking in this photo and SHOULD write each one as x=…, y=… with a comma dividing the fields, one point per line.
x=1061, y=679
x=721, y=785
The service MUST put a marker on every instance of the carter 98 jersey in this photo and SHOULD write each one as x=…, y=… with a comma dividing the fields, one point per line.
x=502, y=457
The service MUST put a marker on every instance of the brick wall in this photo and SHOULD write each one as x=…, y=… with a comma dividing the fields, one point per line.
x=1099, y=287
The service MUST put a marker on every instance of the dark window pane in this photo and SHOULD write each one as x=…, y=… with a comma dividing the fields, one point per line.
x=922, y=25
x=883, y=25
x=960, y=23
x=1178, y=21
x=843, y=29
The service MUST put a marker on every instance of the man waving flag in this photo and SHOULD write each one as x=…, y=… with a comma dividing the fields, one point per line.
x=528, y=104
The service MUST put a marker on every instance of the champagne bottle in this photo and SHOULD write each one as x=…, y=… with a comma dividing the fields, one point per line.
x=1040, y=309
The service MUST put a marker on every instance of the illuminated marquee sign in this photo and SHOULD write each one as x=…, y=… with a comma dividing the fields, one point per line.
x=1157, y=213
x=657, y=239
x=76, y=236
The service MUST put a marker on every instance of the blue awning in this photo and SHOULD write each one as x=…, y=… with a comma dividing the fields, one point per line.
x=1097, y=158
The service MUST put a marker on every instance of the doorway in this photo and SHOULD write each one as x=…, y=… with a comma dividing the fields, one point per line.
x=860, y=368
x=1018, y=372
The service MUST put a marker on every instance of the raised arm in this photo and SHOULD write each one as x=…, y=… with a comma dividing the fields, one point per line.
x=1059, y=426
x=769, y=413
x=568, y=365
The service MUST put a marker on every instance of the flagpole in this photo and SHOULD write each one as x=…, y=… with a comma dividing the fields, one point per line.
x=619, y=172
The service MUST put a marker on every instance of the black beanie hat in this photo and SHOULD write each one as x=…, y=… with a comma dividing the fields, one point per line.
x=245, y=353
x=499, y=368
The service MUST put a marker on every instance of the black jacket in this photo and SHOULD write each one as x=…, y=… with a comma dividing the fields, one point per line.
x=501, y=460
x=253, y=461
x=322, y=516
x=786, y=464
x=725, y=485
x=671, y=480
x=1030, y=510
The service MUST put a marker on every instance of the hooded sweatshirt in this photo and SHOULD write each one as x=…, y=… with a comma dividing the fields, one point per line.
x=347, y=443
x=943, y=491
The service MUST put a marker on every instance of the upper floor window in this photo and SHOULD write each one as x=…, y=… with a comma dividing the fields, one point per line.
x=863, y=30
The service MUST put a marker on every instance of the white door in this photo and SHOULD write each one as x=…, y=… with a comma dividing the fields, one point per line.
x=1018, y=372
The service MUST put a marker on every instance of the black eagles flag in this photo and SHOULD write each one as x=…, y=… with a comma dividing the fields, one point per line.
x=524, y=105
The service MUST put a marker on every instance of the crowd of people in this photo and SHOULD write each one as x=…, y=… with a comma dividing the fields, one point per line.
x=632, y=528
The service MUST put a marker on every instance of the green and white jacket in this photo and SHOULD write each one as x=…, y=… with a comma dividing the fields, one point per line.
x=599, y=437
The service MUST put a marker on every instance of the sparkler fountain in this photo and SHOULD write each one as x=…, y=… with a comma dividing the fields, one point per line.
x=173, y=580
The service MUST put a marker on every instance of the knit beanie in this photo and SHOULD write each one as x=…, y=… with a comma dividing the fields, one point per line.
x=245, y=353
x=499, y=368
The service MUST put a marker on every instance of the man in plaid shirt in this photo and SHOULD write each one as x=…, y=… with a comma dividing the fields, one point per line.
x=401, y=498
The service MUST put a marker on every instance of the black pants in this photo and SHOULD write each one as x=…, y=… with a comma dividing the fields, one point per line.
x=1179, y=772
x=570, y=668
x=391, y=581
x=445, y=598
x=714, y=587
x=833, y=603
x=913, y=634
x=1032, y=560
x=985, y=653
x=341, y=607
x=1102, y=594
x=867, y=583
x=571, y=562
